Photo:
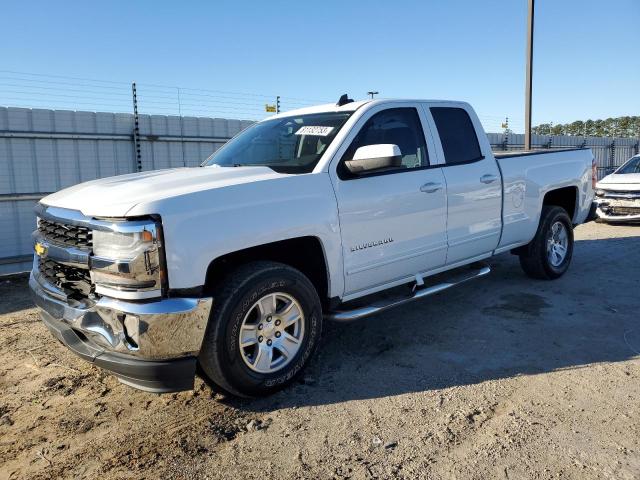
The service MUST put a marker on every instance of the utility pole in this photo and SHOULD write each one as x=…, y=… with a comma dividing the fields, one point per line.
x=372, y=94
x=529, y=74
x=136, y=128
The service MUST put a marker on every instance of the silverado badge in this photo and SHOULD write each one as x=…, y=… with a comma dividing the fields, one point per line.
x=375, y=243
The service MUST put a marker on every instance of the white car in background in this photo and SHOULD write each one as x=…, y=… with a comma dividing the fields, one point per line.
x=618, y=194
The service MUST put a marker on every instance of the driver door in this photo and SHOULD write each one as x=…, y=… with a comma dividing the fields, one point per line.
x=393, y=222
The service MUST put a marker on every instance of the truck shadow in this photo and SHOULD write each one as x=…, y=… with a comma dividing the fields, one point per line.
x=14, y=293
x=501, y=326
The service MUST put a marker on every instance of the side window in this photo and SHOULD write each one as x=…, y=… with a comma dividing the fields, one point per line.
x=457, y=135
x=397, y=126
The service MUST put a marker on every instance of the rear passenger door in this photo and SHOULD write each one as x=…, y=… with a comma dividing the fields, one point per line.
x=474, y=186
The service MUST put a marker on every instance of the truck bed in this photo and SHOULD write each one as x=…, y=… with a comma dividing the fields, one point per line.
x=521, y=153
x=528, y=175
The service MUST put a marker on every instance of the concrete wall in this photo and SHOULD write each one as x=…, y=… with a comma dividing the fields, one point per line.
x=42, y=151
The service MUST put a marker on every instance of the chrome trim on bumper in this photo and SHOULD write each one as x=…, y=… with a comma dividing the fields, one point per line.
x=162, y=329
x=127, y=295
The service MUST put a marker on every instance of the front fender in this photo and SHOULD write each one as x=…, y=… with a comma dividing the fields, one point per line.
x=202, y=226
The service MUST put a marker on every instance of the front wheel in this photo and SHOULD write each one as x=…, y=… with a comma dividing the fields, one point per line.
x=264, y=327
x=549, y=254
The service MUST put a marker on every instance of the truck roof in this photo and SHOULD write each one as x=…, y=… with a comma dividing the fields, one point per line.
x=353, y=106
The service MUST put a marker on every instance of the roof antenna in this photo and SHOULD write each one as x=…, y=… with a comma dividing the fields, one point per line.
x=344, y=99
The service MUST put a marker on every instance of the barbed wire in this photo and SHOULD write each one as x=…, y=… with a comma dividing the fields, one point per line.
x=39, y=90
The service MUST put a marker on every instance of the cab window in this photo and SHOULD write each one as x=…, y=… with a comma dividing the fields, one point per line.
x=397, y=126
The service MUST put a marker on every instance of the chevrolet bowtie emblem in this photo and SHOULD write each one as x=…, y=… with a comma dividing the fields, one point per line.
x=40, y=249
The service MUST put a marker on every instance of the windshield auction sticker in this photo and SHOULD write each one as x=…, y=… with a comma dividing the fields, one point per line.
x=312, y=130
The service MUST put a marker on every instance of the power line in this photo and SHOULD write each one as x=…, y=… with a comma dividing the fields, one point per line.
x=62, y=83
x=31, y=84
x=63, y=76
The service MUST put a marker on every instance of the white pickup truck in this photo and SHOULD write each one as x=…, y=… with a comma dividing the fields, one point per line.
x=306, y=215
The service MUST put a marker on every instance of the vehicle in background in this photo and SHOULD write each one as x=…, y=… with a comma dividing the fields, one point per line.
x=337, y=211
x=618, y=194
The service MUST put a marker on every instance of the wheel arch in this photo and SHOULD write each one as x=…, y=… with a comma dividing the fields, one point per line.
x=565, y=197
x=305, y=254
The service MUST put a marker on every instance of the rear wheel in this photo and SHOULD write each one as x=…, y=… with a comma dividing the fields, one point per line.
x=549, y=254
x=263, y=329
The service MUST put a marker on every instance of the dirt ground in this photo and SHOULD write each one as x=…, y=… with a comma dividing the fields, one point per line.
x=505, y=377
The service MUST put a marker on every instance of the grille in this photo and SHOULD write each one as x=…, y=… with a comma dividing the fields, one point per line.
x=66, y=234
x=623, y=210
x=74, y=282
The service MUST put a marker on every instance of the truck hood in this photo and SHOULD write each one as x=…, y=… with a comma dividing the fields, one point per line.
x=616, y=181
x=115, y=196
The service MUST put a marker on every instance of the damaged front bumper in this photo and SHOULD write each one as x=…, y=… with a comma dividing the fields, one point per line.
x=618, y=210
x=148, y=345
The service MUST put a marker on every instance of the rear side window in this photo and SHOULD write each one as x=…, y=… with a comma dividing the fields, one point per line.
x=457, y=135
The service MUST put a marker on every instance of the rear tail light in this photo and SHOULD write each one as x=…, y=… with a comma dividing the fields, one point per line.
x=594, y=173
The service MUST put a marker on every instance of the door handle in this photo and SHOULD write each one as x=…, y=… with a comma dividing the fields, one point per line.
x=431, y=187
x=488, y=178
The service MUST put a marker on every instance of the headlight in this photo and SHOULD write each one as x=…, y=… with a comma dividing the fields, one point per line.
x=120, y=245
x=128, y=261
x=600, y=192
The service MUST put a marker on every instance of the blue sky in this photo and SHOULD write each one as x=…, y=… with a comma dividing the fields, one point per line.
x=587, y=61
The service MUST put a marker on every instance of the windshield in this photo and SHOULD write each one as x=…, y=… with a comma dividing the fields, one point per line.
x=632, y=166
x=286, y=145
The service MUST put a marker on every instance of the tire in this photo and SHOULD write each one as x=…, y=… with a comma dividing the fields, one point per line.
x=244, y=371
x=536, y=259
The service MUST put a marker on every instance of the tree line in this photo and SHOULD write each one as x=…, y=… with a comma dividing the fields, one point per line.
x=610, y=127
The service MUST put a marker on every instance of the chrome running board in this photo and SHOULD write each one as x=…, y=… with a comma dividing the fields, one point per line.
x=381, y=305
